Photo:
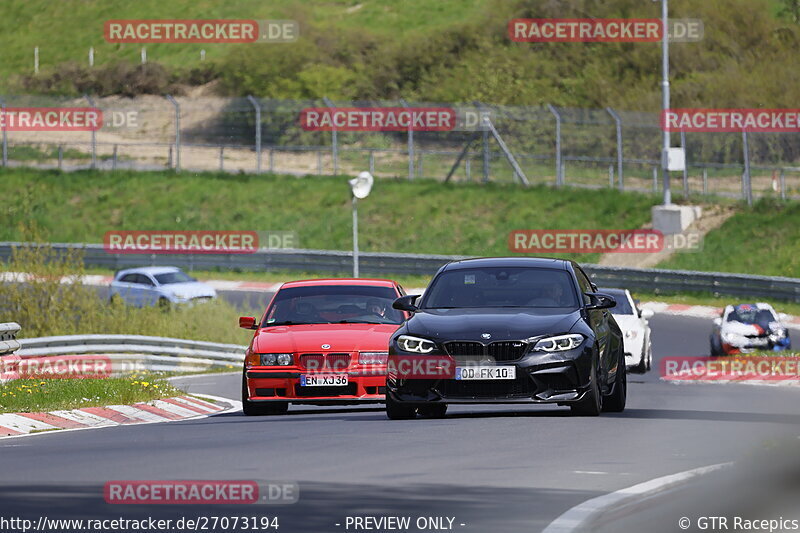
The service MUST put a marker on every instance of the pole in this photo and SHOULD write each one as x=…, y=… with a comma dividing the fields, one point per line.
x=485, y=133
x=618, y=125
x=94, y=134
x=559, y=171
x=334, y=140
x=355, y=237
x=177, y=132
x=258, y=132
x=685, y=166
x=410, y=145
x=665, y=95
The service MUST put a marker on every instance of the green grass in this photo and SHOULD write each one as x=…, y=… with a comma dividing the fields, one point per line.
x=423, y=216
x=764, y=240
x=37, y=395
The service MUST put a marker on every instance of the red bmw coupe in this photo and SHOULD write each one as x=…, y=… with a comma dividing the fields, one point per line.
x=320, y=342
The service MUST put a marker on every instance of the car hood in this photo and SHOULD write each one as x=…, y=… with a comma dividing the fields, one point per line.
x=311, y=337
x=189, y=289
x=502, y=324
x=740, y=328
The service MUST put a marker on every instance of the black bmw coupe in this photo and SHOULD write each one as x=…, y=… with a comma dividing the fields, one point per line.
x=506, y=330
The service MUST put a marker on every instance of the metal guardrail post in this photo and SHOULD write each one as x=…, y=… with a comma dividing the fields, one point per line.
x=5, y=133
x=748, y=188
x=618, y=125
x=559, y=165
x=611, y=176
x=334, y=140
x=685, y=167
x=177, y=131
x=705, y=181
x=410, y=145
x=94, y=134
x=258, y=132
x=655, y=179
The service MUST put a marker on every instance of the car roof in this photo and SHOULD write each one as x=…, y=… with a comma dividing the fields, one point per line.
x=152, y=270
x=338, y=281
x=509, y=262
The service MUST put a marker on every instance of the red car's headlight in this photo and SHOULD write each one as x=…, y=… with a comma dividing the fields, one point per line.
x=373, y=358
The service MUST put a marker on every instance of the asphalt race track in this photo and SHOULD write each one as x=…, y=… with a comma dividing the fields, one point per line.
x=494, y=469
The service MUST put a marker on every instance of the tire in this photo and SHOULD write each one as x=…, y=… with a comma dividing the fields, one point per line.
x=592, y=403
x=258, y=408
x=641, y=368
x=649, y=357
x=163, y=303
x=115, y=299
x=615, y=402
x=399, y=411
x=435, y=410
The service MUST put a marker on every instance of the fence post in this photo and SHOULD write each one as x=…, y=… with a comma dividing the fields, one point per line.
x=655, y=179
x=334, y=140
x=5, y=133
x=618, y=123
x=783, y=184
x=60, y=157
x=94, y=134
x=114, y=159
x=258, y=132
x=410, y=145
x=468, y=169
x=91, y=56
x=685, y=166
x=221, y=157
x=36, y=60
x=485, y=141
x=705, y=181
x=319, y=162
x=372, y=162
x=748, y=189
x=177, y=131
x=271, y=160
x=611, y=176
x=559, y=166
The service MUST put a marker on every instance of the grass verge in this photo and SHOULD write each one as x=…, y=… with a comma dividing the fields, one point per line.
x=37, y=395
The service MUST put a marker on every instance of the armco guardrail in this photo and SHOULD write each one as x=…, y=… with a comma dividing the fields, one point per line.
x=139, y=352
x=385, y=264
x=9, y=344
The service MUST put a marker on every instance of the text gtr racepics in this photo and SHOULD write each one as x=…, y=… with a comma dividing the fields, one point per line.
x=320, y=342
x=507, y=330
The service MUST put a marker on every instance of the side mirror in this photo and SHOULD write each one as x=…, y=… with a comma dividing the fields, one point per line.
x=600, y=301
x=406, y=303
x=247, y=322
x=718, y=321
x=647, y=314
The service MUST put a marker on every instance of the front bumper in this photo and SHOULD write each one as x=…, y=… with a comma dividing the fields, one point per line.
x=271, y=385
x=540, y=378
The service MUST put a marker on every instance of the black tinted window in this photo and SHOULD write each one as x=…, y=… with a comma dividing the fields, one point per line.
x=501, y=287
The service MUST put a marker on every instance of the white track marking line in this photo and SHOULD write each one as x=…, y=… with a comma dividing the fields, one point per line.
x=578, y=517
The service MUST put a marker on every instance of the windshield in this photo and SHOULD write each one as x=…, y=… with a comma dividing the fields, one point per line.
x=501, y=287
x=623, y=306
x=334, y=304
x=173, y=277
x=750, y=314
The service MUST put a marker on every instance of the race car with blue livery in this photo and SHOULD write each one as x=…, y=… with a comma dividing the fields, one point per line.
x=746, y=328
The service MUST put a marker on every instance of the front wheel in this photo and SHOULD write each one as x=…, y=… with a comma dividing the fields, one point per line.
x=592, y=403
x=399, y=411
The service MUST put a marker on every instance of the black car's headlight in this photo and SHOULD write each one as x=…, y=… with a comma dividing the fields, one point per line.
x=407, y=343
x=276, y=359
x=559, y=343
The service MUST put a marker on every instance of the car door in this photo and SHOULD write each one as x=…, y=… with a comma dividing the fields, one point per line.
x=148, y=291
x=599, y=322
x=127, y=288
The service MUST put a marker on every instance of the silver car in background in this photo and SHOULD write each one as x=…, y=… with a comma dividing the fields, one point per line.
x=147, y=286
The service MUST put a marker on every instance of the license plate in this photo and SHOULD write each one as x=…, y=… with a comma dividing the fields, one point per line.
x=486, y=372
x=323, y=380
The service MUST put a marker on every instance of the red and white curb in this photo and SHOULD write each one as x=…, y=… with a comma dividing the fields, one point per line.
x=165, y=410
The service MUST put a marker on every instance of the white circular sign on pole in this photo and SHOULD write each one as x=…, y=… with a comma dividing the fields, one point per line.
x=362, y=185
